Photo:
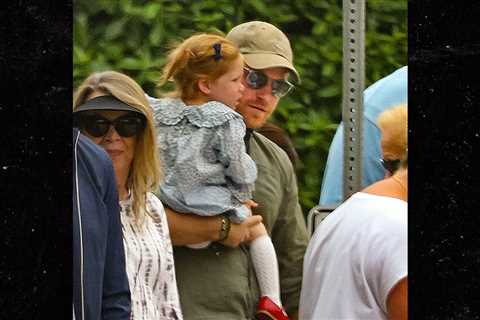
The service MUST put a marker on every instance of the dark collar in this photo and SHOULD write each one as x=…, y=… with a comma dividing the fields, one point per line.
x=246, y=139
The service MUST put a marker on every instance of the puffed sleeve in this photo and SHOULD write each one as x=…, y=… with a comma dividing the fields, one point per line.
x=387, y=259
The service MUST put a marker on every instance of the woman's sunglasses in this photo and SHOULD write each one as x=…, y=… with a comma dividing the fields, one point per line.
x=256, y=80
x=97, y=126
x=390, y=165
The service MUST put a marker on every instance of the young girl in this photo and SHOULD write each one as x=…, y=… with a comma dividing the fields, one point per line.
x=207, y=169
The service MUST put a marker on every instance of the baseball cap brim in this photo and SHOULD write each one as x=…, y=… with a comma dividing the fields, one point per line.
x=105, y=103
x=268, y=60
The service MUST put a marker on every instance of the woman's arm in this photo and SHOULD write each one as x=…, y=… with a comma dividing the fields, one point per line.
x=397, y=301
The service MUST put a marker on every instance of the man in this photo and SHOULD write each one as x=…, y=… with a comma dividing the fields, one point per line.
x=219, y=282
x=100, y=284
x=356, y=262
x=383, y=94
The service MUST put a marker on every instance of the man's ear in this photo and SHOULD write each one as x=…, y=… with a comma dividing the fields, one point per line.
x=204, y=85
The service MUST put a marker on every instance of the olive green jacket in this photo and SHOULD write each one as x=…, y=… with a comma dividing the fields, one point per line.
x=219, y=282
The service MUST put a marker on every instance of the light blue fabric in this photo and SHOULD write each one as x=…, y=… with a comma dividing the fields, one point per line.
x=207, y=170
x=383, y=94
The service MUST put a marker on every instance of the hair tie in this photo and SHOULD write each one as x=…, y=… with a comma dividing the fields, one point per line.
x=218, y=53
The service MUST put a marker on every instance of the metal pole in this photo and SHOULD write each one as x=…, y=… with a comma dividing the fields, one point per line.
x=352, y=97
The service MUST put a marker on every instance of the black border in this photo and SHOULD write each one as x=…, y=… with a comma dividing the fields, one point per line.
x=35, y=159
x=35, y=162
x=444, y=190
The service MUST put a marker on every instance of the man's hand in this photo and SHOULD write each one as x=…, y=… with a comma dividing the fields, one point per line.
x=241, y=232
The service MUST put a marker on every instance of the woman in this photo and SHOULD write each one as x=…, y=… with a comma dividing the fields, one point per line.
x=112, y=110
x=393, y=125
x=356, y=266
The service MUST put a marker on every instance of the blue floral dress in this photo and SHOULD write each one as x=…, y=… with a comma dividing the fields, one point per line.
x=207, y=170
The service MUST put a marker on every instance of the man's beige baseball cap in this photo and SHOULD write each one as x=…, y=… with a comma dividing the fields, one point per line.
x=264, y=46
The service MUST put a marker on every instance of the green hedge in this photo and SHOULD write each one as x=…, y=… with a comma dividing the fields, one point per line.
x=133, y=36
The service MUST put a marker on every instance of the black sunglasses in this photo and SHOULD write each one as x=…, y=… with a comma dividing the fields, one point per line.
x=256, y=80
x=97, y=126
x=390, y=165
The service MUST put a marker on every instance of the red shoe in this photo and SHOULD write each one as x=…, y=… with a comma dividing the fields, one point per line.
x=269, y=310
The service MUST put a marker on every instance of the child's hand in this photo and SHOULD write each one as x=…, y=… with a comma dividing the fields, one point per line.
x=250, y=204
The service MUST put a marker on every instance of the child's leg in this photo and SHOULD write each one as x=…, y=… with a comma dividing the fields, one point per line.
x=265, y=263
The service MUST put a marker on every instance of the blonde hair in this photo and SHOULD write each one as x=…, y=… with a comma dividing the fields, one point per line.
x=145, y=172
x=194, y=59
x=395, y=122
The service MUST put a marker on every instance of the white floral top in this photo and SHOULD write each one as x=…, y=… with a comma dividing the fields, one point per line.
x=149, y=261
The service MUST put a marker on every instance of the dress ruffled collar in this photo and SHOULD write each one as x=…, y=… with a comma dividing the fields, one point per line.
x=170, y=111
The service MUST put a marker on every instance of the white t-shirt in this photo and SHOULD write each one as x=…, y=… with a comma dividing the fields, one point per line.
x=355, y=257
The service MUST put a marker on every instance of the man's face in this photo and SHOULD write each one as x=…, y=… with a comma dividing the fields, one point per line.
x=256, y=105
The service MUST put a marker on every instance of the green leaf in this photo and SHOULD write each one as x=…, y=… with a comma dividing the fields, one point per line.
x=115, y=29
x=130, y=64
